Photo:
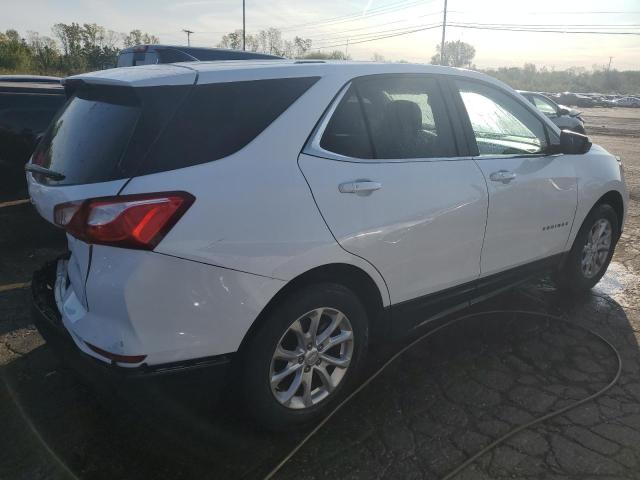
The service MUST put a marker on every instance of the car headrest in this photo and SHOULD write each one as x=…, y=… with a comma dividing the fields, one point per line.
x=403, y=114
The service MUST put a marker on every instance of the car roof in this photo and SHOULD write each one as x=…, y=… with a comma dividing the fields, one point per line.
x=204, y=72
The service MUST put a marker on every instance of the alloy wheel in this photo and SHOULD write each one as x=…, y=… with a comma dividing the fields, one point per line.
x=311, y=358
x=596, y=249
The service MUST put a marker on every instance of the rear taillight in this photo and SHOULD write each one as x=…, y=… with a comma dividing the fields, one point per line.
x=130, y=221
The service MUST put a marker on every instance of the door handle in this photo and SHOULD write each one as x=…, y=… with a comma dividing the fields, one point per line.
x=504, y=176
x=359, y=187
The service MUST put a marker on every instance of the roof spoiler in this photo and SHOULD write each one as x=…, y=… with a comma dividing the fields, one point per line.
x=71, y=85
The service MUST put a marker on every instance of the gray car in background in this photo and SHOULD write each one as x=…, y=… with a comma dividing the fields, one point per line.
x=564, y=117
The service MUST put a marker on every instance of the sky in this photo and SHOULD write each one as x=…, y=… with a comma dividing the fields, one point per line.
x=330, y=23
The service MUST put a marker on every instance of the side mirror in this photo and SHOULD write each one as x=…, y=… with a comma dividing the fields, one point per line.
x=573, y=143
x=563, y=111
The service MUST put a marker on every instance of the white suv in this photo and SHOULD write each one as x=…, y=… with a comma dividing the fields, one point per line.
x=275, y=216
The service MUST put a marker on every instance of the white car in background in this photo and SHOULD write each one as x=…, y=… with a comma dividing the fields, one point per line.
x=275, y=216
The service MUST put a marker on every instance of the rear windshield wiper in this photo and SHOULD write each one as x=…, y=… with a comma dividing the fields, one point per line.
x=30, y=167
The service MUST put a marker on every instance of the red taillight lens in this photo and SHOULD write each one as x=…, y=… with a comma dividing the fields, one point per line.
x=129, y=221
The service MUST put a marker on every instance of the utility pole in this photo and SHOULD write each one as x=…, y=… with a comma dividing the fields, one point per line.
x=188, y=32
x=244, y=28
x=346, y=50
x=444, y=28
x=609, y=67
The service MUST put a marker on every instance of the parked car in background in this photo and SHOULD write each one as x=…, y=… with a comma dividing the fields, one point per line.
x=627, y=102
x=409, y=190
x=27, y=105
x=564, y=117
x=152, y=54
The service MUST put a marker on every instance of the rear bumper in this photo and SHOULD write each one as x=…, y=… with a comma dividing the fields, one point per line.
x=47, y=319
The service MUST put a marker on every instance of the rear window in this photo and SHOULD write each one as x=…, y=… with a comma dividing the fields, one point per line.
x=109, y=133
x=88, y=138
x=219, y=119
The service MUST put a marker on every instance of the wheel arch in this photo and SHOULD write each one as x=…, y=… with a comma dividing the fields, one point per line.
x=613, y=198
x=350, y=276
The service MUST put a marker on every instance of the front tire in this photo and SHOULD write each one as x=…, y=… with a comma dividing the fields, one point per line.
x=305, y=356
x=592, y=251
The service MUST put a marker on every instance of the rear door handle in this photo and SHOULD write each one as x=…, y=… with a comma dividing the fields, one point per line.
x=504, y=176
x=359, y=187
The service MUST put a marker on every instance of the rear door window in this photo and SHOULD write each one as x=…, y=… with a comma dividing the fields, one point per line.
x=391, y=117
x=407, y=117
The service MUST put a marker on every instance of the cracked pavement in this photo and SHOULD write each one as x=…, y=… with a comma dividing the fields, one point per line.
x=434, y=407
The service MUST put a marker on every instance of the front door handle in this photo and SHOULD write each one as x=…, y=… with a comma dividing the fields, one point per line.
x=504, y=176
x=360, y=187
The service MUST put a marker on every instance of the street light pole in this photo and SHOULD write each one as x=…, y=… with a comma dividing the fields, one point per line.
x=244, y=29
x=444, y=28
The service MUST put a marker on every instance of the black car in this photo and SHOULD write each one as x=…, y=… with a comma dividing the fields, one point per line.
x=26, y=109
x=152, y=54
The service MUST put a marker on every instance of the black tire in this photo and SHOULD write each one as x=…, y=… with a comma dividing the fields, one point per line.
x=257, y=357
x=570, y=277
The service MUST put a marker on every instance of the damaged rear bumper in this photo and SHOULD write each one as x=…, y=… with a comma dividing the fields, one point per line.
x=46, y=317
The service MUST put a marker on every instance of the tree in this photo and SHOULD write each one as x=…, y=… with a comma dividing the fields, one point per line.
x=456, y=54
x=267, y=41
x=70, y=36
x=136, y=37
x=232, y=40
x=44, y=51
x=377, y=57
x=334, y=55
x=14, y=52
x=301, y=46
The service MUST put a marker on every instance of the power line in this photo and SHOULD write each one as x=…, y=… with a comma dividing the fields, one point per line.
x=538, y=12
x=546, y=25
x=384, y=36
x=380, y=35
x=540, y=30
x=362, y=36
x=338, y=32
x=382, y=10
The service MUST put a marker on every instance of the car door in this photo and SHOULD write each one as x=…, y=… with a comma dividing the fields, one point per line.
x=384, y=170
x=532, y=195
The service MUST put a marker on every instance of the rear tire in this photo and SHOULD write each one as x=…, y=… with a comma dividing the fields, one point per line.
x=591, y=252
x=305, y=356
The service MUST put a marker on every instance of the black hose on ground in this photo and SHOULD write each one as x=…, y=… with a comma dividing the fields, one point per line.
x=496, y=442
